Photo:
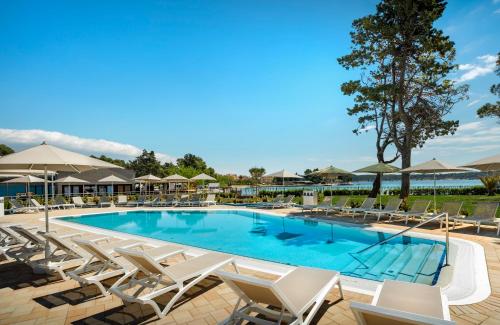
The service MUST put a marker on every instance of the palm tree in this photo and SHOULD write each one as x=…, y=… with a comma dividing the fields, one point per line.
x=490, y=183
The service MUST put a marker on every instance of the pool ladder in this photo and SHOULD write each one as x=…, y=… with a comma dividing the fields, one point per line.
x=383, y=241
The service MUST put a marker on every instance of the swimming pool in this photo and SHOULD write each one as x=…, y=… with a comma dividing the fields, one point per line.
x=293, y=241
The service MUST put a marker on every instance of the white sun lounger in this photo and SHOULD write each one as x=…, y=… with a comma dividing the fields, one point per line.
x=392, y=206
x=59, y=200
x=65, y=254
x=484, y=214
x=404, y=303
x=418, y=209
x=110, y=266
x=341, y=204
x=160, y=280
x=367, y=204
x=297, y=292
x=41, y=207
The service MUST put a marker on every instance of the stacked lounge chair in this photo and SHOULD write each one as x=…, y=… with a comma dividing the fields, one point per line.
x=323, y=206
x=404, y=303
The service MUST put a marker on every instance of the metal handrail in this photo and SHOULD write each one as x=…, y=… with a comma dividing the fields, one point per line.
x=383, y=241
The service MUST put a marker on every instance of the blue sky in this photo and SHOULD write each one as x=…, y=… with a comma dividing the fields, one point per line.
x=240, y=83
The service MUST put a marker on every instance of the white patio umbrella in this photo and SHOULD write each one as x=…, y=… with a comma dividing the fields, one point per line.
x=282, y=174
x=48, y=157
x=70, y=180
x=202, y=177
x=175, y=179
x=27, y=179
x=433, y=167
x=381, y=169
x=148, y=179
x=112, y=179
x=486, y=164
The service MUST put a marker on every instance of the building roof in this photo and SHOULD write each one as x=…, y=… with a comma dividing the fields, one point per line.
x=93, y=176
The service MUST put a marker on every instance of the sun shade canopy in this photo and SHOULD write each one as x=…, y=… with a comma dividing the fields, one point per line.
x=174, y=178
x=434, y=166
x=331, y=171
x=378, y=168
x=25, y=179
x=282, y=174
x=203, y=177
x=112, y=179
x=486, y=164
x=70, y=180
x=148, y=178
x=53, y=158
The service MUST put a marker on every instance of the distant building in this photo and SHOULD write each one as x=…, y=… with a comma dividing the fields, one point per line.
x=93, y=186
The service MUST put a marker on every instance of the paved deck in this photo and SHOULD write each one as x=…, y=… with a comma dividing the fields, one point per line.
x=26, y=298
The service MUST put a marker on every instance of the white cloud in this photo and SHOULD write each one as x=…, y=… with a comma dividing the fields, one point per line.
x=473, y=103
x=88, y=145
x=496, y=11
x=367, y=128
x=473, y=137
x=485, y=66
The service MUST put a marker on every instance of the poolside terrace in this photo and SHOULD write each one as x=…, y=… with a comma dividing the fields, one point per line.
x=26, y=298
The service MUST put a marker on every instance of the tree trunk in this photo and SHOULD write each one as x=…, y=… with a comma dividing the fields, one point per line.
x=375, y=187
x=405, y=177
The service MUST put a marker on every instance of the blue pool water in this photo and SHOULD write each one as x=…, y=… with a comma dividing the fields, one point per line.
x=293, y=241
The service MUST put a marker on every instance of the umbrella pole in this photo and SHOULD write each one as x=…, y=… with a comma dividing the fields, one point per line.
x=46, y=187
x=380, y=200
x=435, y=192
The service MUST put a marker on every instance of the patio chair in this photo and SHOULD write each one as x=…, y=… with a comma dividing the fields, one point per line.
x=418, y=209
x=59, y=200
x=325, y=204
x=105, y=201
x=209, y=200
x=183, y=201
x=65, y=254
x=170, y=200
x=367, y=204
x=32, y=246
x=287, y=299
x=152, y=202
x=161, y=280
x=78, y=202
x=121, y=200
x=110, y=266
x=136, y=203
x=337, y=207
x=194, y=200
x=452, y=208
x=41, y=207
x=392, y=206
x=17, y=207
x=286, y=203
x=484, y=214
x=404, y=303
x=277, y=200
x=11, y=240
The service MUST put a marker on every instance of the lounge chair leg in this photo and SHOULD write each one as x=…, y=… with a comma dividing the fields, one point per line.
x=340, y=290
x=478, y=227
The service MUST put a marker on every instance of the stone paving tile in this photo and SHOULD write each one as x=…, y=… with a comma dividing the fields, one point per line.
x=26, y=298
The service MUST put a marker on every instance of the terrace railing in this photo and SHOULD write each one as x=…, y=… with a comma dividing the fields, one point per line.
x=402, y=232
